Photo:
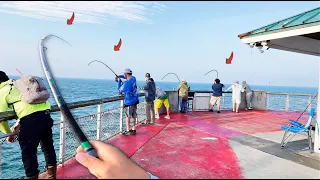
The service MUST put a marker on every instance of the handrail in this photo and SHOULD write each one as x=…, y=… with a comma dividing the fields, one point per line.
x=291, y=94
x=5, y=116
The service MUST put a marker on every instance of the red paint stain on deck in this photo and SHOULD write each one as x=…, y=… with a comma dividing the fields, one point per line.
x=130, y=144
x=184, y=148
x=179, y=151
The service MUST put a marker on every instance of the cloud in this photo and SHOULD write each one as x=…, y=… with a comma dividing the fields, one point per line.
x=98, y=12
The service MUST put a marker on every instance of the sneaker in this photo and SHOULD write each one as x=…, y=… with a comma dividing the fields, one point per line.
x=211, y=110
x=157, y=117
x=218, y=111
x=145, y=123
x=167, y=117
x=133, y=131
x=250, y=108
x=126, y=133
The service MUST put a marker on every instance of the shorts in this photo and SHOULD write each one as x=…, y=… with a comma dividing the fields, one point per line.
x=132, y=111
x=165, y=102
x=215, y=100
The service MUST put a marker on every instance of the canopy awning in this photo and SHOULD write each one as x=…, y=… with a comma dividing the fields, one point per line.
x=299, y=33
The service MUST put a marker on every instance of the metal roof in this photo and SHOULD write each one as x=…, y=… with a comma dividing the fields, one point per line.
x=306, y=19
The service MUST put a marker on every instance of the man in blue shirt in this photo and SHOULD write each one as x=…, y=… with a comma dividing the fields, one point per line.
x=131, y=99
x=216, y=94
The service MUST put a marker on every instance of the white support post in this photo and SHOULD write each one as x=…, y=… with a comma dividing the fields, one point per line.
x=316, y=134
x=287, y=103
x=121, y=114
x=99, y=117
x=268, y=100
x=223, y=98
x=62, y=145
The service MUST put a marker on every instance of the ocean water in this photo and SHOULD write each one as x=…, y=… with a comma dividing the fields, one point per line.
x=86, y=89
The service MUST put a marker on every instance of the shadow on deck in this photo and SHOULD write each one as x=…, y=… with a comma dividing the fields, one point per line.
x=212, y=145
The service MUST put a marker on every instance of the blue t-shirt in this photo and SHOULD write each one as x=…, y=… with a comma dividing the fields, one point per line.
x=217, y=89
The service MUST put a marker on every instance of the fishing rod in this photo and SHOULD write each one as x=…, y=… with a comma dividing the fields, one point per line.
x=112, y=72
x=81, y=137
x=107, y=67
x=211, y=71
x=171, y=73
x=19, y=71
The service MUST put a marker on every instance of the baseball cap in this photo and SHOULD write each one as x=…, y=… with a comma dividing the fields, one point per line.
x=127, y=70
x=148, y=75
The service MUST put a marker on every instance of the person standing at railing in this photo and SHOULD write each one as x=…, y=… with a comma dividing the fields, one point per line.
x=34, y=127
x=162, y=97
x=150, y=95
x=131, y=99
x=248, y=92
x=236, y=95
x=216, y=94
x=183, y=90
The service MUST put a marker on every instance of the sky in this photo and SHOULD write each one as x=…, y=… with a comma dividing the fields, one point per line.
x=187, y=38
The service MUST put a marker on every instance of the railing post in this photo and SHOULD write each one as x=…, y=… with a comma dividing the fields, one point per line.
x=287, y=103
x=121, y=114
x=0, y=161
x=309, y=103
x=62, y=147
x=99, y=117
x=268, y=97
x=223, y=100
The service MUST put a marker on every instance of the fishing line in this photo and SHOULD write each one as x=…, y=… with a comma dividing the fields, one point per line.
x=173, y=74
x=81, y=137
x=307, y=107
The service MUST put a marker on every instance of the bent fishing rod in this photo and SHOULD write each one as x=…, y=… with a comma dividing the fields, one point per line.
x=112, y=72
x=107, y=67
x=171, y=73
x=81, y=137
x=211, y=71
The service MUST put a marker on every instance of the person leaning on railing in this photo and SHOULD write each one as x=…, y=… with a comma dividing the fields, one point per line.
x=34, y=127
x=131, y=99
x=183, y=89
x=248, y=92
x=150, y=95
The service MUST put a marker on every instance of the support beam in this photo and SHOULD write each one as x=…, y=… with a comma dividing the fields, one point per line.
x=316, y=134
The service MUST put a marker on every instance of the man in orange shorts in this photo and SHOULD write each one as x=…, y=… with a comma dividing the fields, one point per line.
x=162, y=98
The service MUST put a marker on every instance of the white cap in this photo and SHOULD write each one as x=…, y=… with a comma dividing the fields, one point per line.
x=183, y=80
x=127, y=70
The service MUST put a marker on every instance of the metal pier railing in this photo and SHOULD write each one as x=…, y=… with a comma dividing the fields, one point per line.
x=102, y=123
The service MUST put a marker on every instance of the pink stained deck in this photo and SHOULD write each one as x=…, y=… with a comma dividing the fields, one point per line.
x=192, y=145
